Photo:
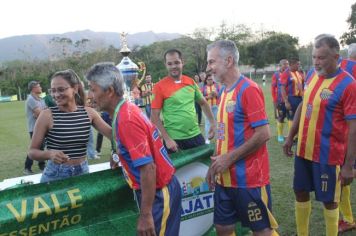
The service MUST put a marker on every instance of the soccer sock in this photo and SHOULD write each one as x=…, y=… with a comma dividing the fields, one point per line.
x=302, y=214
x=331, y=221
x=290, y=122
x=279, y=129
x=345, y=205
x=274, y=233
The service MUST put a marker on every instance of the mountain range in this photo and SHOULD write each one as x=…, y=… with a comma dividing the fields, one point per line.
x=54, y=46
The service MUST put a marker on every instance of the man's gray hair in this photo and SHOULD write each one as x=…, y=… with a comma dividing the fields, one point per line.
x=227, y=48
x=328, y=40
x=283, y=61
x=351, y=51
x=106, y=74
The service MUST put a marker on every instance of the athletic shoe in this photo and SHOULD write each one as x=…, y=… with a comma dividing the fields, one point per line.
x=95, y=157
x=97, y=153
x=280, y=139
x=27, y=172
x=346, y=226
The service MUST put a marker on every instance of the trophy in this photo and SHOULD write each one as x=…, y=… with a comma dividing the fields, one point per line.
x=128, y=68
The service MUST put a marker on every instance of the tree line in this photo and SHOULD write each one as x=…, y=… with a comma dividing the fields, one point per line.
x=257, y=49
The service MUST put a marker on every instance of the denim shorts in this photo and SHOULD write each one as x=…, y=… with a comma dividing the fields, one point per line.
x=55, y=171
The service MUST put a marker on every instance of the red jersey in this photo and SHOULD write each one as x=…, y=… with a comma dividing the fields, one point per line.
x=293, y=81
x=274, y=86
x=327, y=104
x=139, y=143
x=242, y=109
x=349, y=66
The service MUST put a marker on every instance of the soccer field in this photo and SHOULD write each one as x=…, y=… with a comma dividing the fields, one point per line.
x=14, y=141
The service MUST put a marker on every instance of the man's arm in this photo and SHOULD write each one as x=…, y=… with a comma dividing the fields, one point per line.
x=207, y=111
x=170, y=143
x=285, y=97
x=145, y=224
x=221, y=163
x=347, y=168
x=287, y=147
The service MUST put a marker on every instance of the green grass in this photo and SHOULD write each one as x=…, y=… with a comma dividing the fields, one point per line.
x=14, y=141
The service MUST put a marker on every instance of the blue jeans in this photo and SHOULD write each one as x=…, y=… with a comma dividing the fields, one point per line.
x=55, y=171
x=148, y=110
x=214, y=109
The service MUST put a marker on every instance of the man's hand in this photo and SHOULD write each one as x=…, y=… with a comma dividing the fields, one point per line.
x=287, y=147
x=219, y=164
x=288, y=106
x=346, y=175
x=212, y=130
x=171, y=144
x=145, y=225
x=210, y=179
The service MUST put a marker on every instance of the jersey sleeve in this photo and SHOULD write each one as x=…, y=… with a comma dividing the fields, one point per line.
x=134, y=138
x=31, y=103
x=349, y=101
x=157, y=97
x=254, y=106
x=198, y=94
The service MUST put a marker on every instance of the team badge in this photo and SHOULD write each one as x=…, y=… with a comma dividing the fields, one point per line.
x=230, y=106
x=326, y=94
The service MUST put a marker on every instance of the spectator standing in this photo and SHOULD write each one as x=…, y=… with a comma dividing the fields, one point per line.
x=146, y=90
x=34, y=105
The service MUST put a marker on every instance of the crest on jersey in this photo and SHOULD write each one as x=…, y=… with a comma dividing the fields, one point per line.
x=326, y=94
x=230, y=106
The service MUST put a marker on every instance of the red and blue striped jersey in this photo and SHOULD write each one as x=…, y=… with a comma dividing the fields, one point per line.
x=242, y=109
x=139, y=143
x=349, y=66
x=293, y=81
x=276, y=87
x=208, y=89
x=327, y=104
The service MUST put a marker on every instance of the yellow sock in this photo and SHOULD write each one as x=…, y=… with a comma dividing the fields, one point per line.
x=302, y=214
x=279, y=129
x=345, y=204
x=290, y=122
x=274, y=233
x=331, y=221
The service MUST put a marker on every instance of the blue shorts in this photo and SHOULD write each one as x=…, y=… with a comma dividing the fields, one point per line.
x=188, y=143
x=282, y=112
x=166, y=209
x=294, y=103
x=55, y=171
x=250, y=206
x=313, y=176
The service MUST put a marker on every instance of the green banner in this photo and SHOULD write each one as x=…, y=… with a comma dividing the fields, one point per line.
x=94, y=204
